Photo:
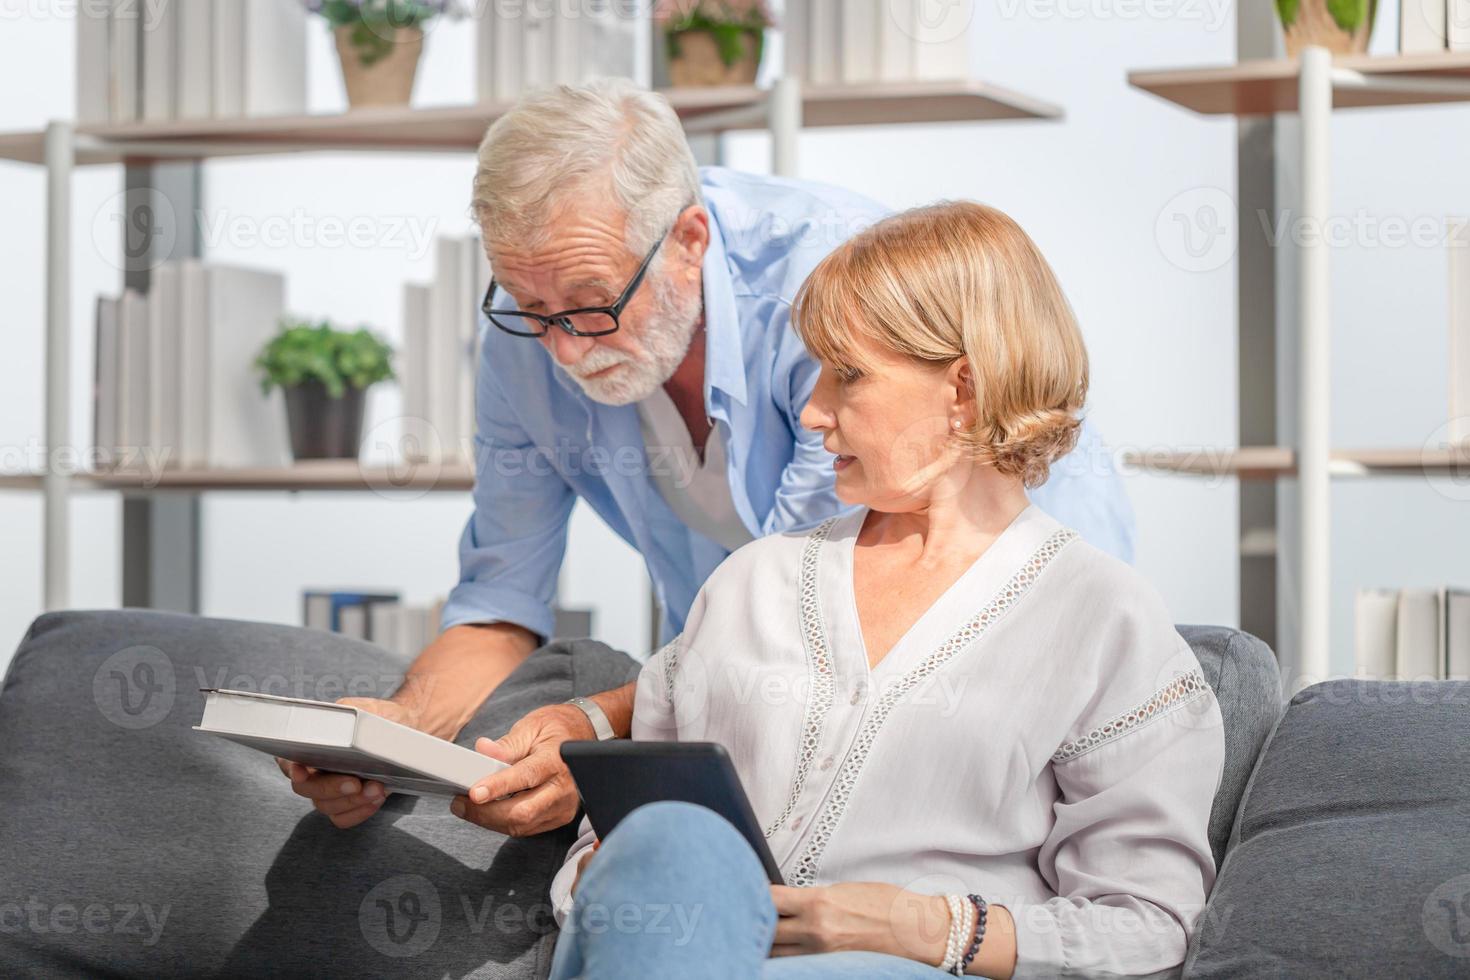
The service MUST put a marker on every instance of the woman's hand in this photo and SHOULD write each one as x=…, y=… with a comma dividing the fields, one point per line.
x=863, y=915
x=582, y=866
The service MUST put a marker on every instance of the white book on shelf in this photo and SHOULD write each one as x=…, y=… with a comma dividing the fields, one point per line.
x=1457, y=23
x=195, y=46
x=343, y=738
x=93, y=63
x=486, y=19
x=536, y=51
x=1423, y=26
x=508, y=55
x=1457, y=634
x=860, y=44
x=227, y=58
x=796, y=38
x=476, y=272
x=1459, y=359
x=353, y=621
x=193, y=380
x=446, y=337
x=413, y=370
x=898, y=52
x=242, y=428
x=564, y=26
x=1375, y=632
x=383, y=618
x=615, y=39
x=275, y=58
x=105, y=380
x=1419, y=641
x=163, y=363
x=943, y=35
x=124, y=32
x=824, y=41
x=133, y=389
x=160, y=54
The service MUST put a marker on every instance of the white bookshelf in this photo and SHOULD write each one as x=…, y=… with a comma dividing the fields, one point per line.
x=784, y=110
x=1313, y=85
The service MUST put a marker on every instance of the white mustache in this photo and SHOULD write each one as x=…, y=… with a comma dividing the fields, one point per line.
x=597, y=359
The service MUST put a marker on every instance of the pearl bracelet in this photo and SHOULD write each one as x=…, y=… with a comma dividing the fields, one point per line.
x=960, y=930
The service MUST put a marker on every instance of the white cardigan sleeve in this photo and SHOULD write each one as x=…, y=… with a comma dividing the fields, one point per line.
x=1129, y=855
x=653, y=720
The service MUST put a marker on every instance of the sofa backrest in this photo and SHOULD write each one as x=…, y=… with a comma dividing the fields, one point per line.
x=1243, y=673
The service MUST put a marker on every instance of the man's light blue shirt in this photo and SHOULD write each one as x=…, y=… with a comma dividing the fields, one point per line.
x=542, y=442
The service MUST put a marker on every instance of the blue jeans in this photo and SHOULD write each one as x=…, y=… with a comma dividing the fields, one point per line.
x=675, y=891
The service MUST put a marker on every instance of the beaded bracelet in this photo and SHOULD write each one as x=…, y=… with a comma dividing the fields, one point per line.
x=954, y=946
x=981, y=910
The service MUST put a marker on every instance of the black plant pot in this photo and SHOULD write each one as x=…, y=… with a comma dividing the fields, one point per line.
x=323, y=427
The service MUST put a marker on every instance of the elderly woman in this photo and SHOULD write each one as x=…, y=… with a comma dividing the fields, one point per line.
x=975, y=742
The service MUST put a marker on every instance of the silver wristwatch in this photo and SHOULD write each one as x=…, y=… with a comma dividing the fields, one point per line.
x=597, y=716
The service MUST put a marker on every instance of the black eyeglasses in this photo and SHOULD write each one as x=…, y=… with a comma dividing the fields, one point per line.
x=585, y=321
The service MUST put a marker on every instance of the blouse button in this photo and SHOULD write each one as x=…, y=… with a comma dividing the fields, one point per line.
x=795, y=823
x=857, y=696
x=827, y=763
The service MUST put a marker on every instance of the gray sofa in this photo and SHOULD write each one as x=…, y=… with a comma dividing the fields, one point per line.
x=135, y=847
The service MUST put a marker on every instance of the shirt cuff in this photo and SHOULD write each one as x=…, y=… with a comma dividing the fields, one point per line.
x=1038, y=942
x=480, y=602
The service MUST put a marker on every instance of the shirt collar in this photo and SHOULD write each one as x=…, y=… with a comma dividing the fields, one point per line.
x=724, y=353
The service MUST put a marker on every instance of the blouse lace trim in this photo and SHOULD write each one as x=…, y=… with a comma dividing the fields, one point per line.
x=1178, y=692
x=805, y=872
x=819, y=669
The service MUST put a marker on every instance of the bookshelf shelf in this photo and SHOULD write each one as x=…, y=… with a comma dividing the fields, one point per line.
x=335, y=474
x=458, y=129
x=1272, y=84
x=1273, y=462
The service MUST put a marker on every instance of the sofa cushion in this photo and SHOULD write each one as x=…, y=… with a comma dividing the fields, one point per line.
x=136, y=847
x=1242, y=671
x=1350, y=855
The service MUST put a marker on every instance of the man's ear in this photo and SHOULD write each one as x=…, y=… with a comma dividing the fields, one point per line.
x=691, y=233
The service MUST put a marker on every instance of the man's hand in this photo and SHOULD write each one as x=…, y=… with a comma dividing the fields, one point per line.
x=544, y=795
x=346, y=800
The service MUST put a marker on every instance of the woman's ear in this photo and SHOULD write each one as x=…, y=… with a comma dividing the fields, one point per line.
x=961, y=382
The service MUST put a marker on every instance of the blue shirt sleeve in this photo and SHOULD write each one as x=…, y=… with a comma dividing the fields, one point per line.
x=1085, y=492
x=513, y=544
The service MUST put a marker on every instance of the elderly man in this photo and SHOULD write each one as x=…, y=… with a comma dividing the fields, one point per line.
x=638, y=355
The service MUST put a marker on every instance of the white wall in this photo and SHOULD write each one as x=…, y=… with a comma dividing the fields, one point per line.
x=1091, y=190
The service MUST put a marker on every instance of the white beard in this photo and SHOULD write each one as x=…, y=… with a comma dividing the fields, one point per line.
x=665, y=342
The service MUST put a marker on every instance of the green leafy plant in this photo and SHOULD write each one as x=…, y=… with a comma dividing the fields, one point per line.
x=1346, y=14
x=305, y=351
x=729, y=22
x=375, y=23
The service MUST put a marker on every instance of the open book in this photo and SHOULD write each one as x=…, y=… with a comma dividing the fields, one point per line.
x=342, y=738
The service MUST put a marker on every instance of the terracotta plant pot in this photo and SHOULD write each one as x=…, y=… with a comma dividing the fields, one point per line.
x=694, y=60
x=388, y=80
x=323, y=427
x=1312, y=23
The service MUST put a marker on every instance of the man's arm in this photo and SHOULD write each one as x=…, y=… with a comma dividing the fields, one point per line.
x=454, y=675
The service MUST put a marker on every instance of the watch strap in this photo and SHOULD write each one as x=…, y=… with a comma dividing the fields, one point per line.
x=597, y=716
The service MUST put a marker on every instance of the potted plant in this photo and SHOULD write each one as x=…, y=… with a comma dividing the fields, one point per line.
x=379, y=43
x=713, y=42
x=323, y=372
x=1340, y=26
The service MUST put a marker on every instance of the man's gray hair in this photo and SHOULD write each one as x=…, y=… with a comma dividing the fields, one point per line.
x=607, y=136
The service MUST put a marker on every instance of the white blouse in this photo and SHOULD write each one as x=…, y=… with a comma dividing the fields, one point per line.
x=1042, y=736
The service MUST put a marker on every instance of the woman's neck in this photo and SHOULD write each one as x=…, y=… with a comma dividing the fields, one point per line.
x=960, y=516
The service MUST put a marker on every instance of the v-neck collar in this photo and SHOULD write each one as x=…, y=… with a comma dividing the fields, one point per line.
x=965, y=596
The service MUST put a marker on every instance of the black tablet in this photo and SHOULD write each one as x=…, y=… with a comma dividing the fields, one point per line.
x=617, y=776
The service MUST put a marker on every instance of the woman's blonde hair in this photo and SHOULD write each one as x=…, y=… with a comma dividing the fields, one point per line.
x=959, y=279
